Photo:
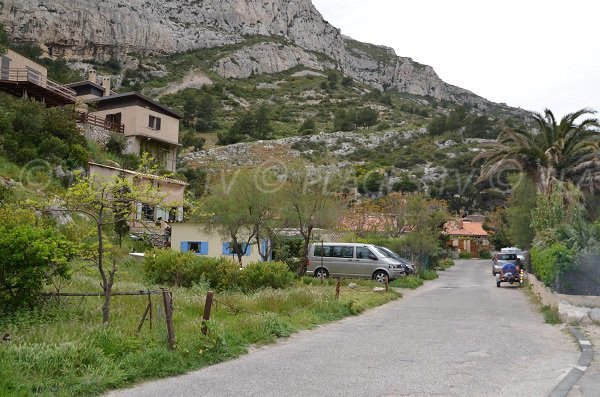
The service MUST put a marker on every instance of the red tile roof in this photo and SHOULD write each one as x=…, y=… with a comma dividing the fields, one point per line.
x=475, y=229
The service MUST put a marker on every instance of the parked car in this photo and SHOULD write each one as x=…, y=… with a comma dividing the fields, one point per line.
x=351, y=260
x=409, y=267
x=514, y=250
x=510, y=273
x=502, y=258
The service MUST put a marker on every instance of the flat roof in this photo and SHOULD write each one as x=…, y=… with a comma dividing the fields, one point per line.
x=138, y=95
x=85, y=83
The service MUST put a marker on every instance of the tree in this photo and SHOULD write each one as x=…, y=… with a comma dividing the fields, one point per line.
x=32, y=256
x=565, y=151
x=107, y=202
x=521, y=205
x=366, y=117
x=309, y=204
x=308, y=126
x=3, y=40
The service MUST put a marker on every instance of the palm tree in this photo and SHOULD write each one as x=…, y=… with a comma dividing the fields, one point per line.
x=567, y=151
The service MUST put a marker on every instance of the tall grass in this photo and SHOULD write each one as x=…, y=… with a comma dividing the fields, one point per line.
x=63, y=350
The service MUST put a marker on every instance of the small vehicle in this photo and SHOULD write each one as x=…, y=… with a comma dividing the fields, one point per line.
x=351, y=260
x=510, y=273
x=502, y=258
x=409, y=267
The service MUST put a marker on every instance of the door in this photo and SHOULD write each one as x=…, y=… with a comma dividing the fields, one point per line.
x=365, y=264
x=4, y=71
x=342, y=260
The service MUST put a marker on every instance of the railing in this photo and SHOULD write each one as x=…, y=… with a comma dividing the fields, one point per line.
x=100, y=122
x=34, y=77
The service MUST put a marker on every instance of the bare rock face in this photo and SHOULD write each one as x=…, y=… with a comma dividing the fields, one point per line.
x=105, y=29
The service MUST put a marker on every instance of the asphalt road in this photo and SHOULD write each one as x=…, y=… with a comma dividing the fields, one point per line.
x=458, y=335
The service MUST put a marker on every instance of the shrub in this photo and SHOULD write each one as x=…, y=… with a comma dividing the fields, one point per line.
x=485, y=254
x=185, y=269
x=444, y=264
x=464, y=255
x=551, y=262
x=265, y=274
x=411, y=282
x=428, y=275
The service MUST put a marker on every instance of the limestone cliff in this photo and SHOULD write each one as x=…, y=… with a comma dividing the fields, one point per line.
x=104, y=29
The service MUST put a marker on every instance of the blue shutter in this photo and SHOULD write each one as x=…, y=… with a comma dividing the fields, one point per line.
x=225, y=249
x=184, y=246
x=247, y=249
x=204, y=248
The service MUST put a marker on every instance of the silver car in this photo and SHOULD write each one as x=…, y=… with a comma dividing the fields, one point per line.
x=351, y=260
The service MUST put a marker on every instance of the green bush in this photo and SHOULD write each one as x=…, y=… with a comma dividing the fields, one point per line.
x=551, y=262
x=428, y=275
x=485, y=254
x=411, y=282
x=265, y=274
x=184, y=269
x=464, y=255
x=445, y=263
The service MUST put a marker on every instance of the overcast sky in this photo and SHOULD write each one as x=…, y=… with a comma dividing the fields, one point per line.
x=532, y=54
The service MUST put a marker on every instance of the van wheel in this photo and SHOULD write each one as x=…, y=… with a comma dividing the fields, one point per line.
x=321, y=273
x=379, y=276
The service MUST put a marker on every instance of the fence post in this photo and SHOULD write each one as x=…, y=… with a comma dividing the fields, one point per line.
x=337, y=289
x=387, y=282
x=168, y=302
x=207, y=308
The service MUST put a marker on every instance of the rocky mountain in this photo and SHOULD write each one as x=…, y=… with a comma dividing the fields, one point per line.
x=111, y=29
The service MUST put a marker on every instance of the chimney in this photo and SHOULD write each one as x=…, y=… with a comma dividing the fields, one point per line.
x=106, y=86
x=92, y=75
x=459, y=223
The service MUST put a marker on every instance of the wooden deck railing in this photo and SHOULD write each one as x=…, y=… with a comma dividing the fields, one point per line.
x=87, y=118
x=34, y=77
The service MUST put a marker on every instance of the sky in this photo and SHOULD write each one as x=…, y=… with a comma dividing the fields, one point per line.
x=531, y=54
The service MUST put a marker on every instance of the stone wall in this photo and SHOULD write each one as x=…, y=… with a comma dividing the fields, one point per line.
x=571, y=308
x=95, y=134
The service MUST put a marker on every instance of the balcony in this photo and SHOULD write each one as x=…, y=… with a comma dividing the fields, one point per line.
x=28, y=83
x=86, y=118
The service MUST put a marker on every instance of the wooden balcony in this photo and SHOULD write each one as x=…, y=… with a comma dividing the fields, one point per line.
x=28, y=83
x=86, y=118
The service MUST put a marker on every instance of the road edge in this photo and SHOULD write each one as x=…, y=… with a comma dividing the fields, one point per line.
x=584, y=362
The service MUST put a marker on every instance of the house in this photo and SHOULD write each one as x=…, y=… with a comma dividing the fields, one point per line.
x=467, y=236
x=147, y=125
x=196, y=237
x=24, y=78
x=150, y=220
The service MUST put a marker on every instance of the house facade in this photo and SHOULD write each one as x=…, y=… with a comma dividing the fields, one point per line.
x=197, y=238
x=24, y=78
x=148, y=126
x=148, y=218
x=467, y=236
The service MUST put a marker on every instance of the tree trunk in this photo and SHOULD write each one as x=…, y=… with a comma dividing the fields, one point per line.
x=106, y=307
x=304, y=263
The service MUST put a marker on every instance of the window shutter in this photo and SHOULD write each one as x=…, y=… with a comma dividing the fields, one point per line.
x=247, y=249
x=204, y=248
x=162, y=213
x=158, y=123
x=225, y=249
x=179, y=214
x=138, y=213
x=151, y=121
x=184, y=246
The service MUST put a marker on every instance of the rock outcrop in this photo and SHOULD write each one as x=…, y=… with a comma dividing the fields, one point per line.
x=108, y=29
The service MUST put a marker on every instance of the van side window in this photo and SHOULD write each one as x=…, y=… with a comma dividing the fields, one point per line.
x=362, y=253
x=322, y=250
x=343, y=252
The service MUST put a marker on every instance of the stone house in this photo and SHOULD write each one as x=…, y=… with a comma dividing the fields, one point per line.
x=466, y=236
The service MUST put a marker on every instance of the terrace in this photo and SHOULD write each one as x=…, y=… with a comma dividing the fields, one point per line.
x=29, y=83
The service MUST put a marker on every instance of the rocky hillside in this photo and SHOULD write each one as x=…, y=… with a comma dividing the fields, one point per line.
x=110, y=30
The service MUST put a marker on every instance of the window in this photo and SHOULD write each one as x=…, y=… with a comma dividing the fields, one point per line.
x=198, y=247
x=147, y=213
x=343, y=252
x=154, y=122
x=362, y=253
x=323, y=250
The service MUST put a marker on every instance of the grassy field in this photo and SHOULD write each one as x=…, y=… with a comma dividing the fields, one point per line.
x=62, y=349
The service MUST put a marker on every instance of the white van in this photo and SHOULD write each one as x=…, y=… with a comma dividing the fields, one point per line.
x=351, y=260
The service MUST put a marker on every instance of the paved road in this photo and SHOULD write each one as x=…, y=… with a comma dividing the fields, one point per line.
x=458, y=335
